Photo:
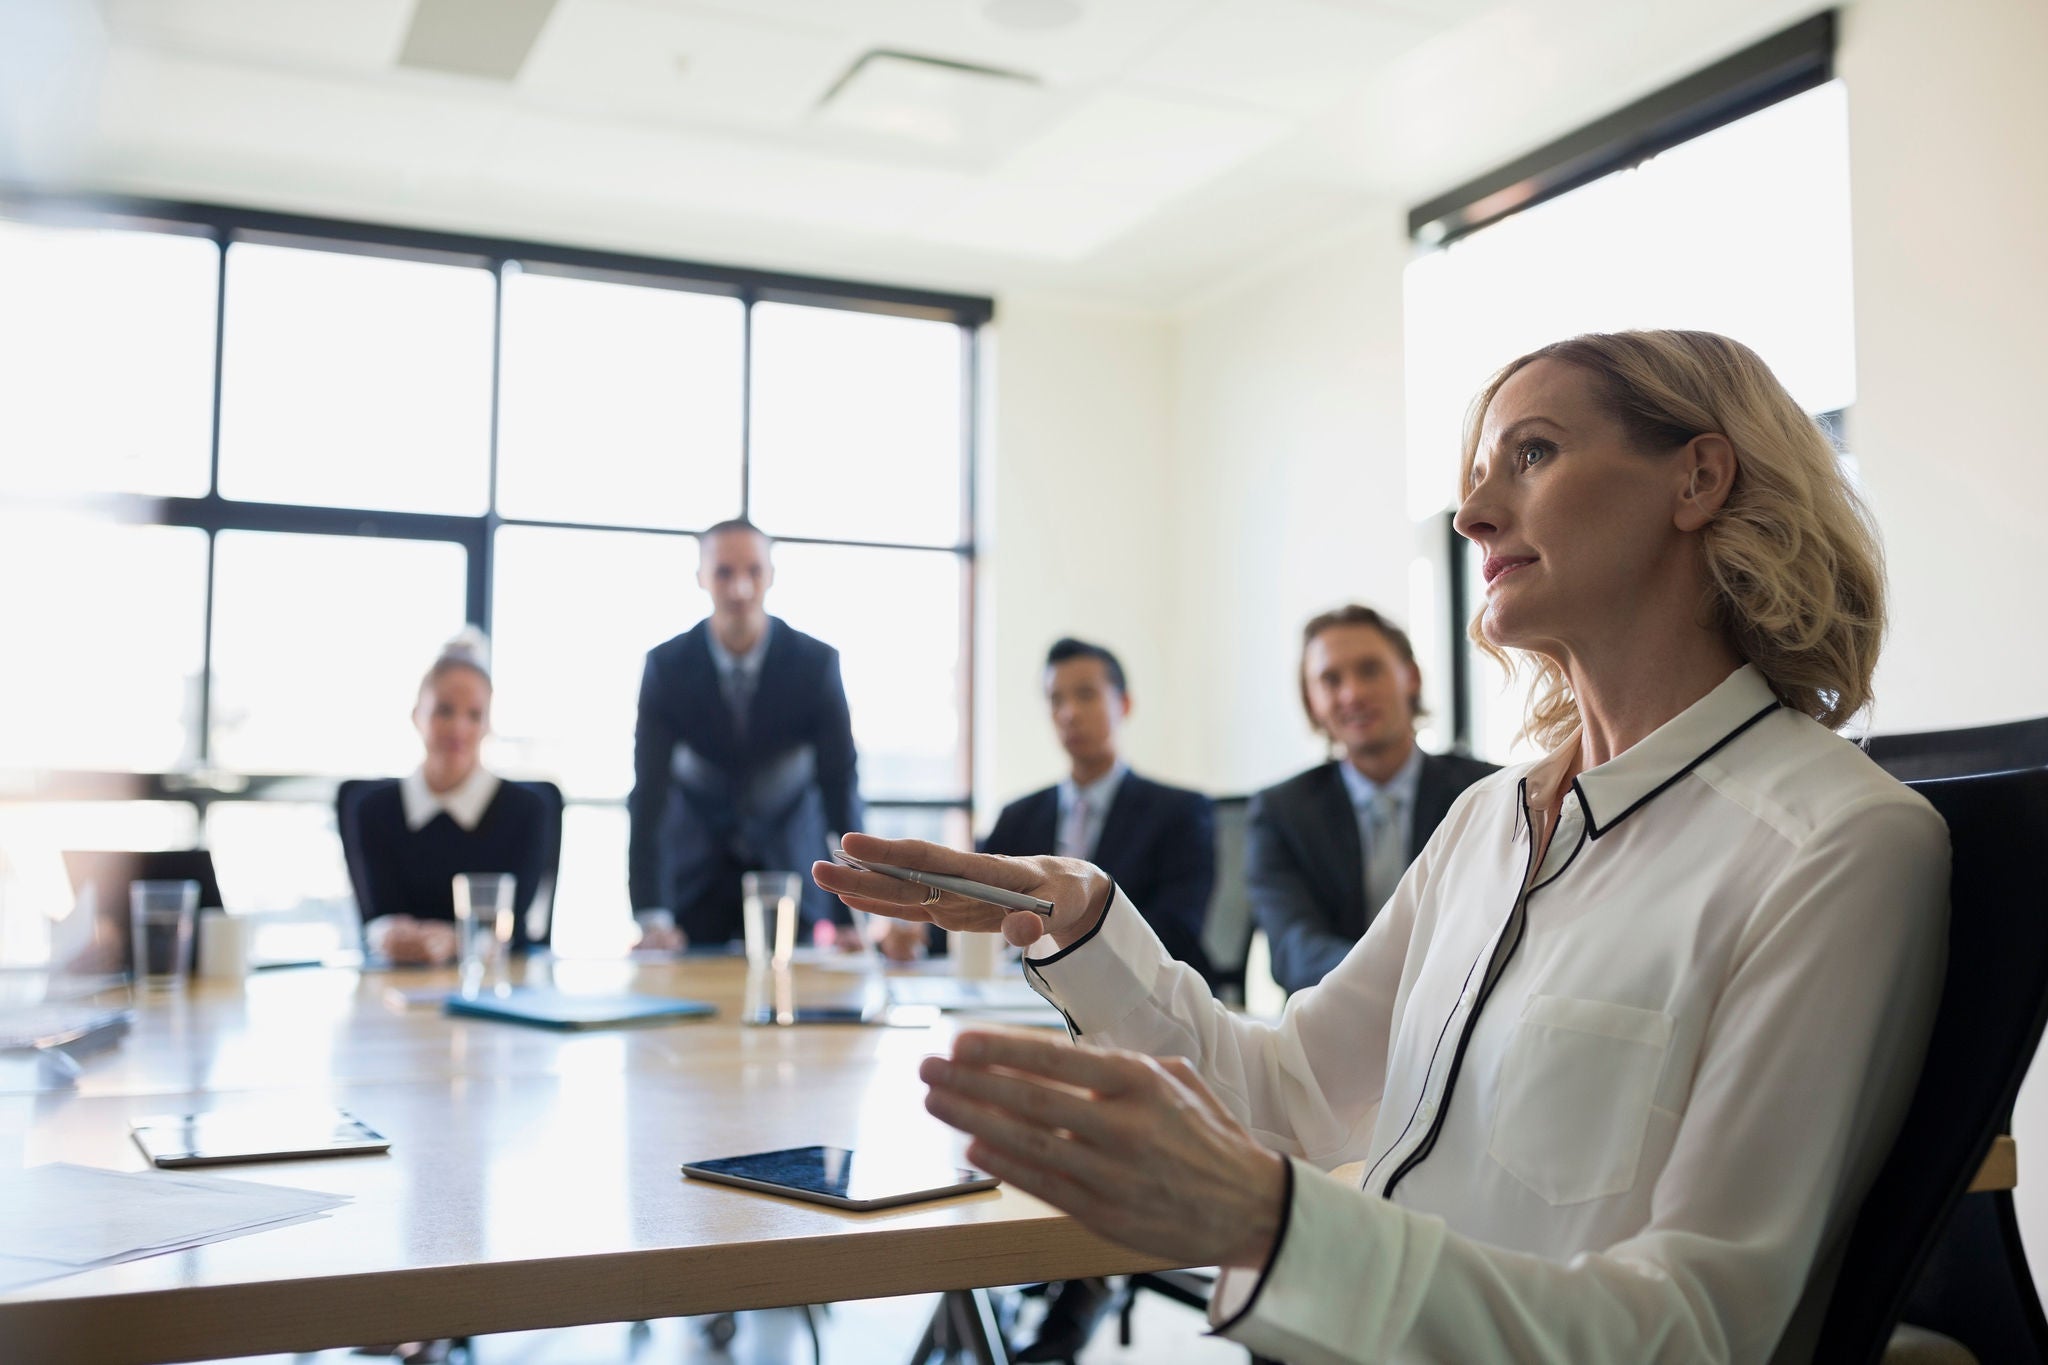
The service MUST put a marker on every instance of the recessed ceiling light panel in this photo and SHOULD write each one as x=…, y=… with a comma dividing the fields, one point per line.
x=1031, y=16
x=933, y=103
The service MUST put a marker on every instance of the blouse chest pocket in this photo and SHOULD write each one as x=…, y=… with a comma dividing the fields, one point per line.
x=1574, y=1097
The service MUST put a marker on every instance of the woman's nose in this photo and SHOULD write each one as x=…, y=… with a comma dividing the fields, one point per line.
x=1478, y=513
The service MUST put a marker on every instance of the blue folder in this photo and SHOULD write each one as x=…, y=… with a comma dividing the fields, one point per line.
x=560, y=1010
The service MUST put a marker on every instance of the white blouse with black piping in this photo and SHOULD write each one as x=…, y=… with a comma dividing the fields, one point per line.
x=1616, y=1107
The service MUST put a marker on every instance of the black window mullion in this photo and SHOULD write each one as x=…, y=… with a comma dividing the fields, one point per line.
x=483, y=552
x=203, y=722
x=748, y=298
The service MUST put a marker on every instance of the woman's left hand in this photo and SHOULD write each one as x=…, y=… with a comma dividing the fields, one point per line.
x=1135, y=1147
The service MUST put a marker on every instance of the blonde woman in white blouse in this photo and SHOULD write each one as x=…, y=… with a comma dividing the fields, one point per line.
x=1635, y=1033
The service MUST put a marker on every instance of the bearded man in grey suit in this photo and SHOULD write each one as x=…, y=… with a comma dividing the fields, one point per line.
x=1325, y=849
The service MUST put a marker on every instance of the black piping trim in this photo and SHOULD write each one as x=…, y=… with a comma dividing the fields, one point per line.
x=1044, y=987
x=1266, y=1270
x=1443, y=1109
x=1518, y=919
x=1435, y=1050
x=1429, y=1139
x=1658, y=790
x=1093, y=930
x=1577, y=849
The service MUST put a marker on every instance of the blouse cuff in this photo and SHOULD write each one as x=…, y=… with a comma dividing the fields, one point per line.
x=1099, y=979
x=1347, y=1277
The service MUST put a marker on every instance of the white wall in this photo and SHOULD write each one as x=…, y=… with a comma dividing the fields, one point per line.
x=1949, y=197
x=1189, y=490
x=1078, y=529
x=1949, y=194
x=1288, y=454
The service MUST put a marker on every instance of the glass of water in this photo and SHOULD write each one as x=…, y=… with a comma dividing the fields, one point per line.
x=483, y=927
x=162, y=915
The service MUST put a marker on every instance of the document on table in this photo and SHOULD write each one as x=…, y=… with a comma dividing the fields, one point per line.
x=62, y=1219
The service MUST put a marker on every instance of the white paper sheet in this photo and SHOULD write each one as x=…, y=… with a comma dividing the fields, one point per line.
x=60, y=1219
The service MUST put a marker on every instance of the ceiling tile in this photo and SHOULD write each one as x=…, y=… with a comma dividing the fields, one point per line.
x=1118, y=158
x=683, y=67
x=1290, y=56
x=359, y=35
x=1106, y=39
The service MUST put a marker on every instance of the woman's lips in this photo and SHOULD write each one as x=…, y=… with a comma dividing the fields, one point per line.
x=1498, y=565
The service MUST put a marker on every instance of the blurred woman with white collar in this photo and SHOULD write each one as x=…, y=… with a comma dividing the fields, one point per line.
x=1613, y=1069
x=408, y=838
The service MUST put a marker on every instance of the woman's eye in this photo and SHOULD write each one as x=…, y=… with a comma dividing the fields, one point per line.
x=1531, y=453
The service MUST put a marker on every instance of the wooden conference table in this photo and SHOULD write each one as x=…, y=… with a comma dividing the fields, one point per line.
x=532, y=1179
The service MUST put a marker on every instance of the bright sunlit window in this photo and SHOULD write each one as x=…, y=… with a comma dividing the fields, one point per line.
x=1743, y=230
x=621, y=404
x=411, y=437
x=106, y=360
x=355, y=381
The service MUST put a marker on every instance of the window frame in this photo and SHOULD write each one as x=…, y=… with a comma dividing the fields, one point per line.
x=225, y=225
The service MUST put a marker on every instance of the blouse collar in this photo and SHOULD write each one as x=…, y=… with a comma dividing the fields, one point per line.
x=465, y=804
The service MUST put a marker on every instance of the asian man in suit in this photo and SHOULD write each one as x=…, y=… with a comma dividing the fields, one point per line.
x=1325, y=849
x=743, y=756
x=1151, y=837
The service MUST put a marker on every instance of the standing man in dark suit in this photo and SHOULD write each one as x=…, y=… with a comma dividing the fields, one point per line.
x=1325, y=849
x=743, y=754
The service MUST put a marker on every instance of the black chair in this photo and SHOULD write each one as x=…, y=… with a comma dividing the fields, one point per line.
x=1919, y=1249
x=1962, y=753
x=540, y=913
x=1227, y=932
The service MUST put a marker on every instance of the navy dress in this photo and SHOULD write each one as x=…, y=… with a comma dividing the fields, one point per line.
x=401, y=871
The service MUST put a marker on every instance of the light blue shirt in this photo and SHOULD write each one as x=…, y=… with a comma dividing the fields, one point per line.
x=1402, y=787
x=1100, y=793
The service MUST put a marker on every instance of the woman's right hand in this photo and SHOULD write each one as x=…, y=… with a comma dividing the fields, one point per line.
x=1079, y=891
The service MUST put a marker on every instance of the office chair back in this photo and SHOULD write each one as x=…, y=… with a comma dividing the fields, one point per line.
x=1962, y=753
x=1994, y=1004
x=1227, y=933
x=539, y=915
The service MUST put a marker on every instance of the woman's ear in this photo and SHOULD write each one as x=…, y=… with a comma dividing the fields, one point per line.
x=1710, y=467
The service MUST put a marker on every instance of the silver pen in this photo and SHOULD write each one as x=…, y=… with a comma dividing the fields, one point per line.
x=959, y=886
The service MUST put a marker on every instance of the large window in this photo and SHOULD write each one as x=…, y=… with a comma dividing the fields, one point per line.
x=254, y=470
x=1743, y=230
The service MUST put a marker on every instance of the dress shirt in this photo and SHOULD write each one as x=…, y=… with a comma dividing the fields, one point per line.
x=465, y=803
x=1098, y=794
x=1401, y=786
x=1363, y=791
x=1618, y=1106
x=738, y=674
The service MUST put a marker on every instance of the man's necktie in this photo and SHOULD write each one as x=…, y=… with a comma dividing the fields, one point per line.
x=1386, y=852
x=1073, y=842
x=739, y=697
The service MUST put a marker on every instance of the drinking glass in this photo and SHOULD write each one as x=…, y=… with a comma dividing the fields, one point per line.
x=483, y=927
x=770, y=908
x=161, y=915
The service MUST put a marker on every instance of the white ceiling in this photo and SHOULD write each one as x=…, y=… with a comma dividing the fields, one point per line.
x=1157, y=148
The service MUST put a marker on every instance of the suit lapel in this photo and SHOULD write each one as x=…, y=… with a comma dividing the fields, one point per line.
x=1042, y=821
x=1434, y=793
x=1340, y=829
x=769, y=707
x=713, y=720
x=1118, y=824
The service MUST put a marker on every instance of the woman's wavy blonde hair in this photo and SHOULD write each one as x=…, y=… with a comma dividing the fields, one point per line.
x=1793, y=559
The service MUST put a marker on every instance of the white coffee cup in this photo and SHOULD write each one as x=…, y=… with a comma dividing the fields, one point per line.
x=225, y=942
